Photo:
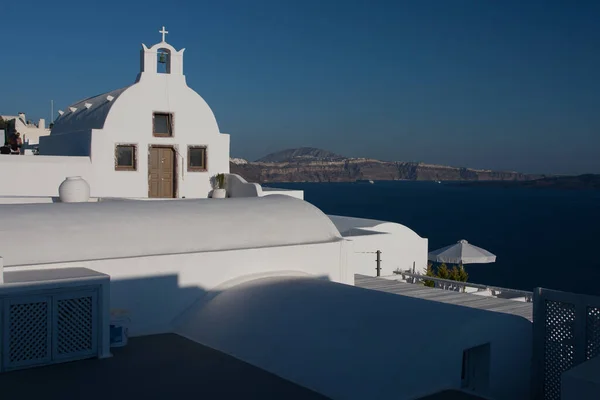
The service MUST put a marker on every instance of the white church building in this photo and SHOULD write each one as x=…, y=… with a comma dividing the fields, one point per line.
x=156, y=138
x=261, y=276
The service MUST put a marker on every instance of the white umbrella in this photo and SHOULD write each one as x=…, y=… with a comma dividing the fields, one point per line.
x=462, y=253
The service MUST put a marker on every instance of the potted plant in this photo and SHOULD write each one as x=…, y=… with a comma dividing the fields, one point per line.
x=219, y=191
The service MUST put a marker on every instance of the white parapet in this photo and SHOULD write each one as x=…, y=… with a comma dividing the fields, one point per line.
x=238, y=187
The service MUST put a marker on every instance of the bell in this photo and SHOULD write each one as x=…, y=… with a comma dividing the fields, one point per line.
x=162, y=58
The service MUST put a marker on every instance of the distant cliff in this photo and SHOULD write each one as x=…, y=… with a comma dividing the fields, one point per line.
x=588, y=181
x=315, y=165
x=300, y=155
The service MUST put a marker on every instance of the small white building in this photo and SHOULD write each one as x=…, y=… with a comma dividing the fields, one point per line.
x=30, y=131
x=402, y=249
x=155, y=138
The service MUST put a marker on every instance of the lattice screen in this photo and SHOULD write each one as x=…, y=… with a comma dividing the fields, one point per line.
x=592, y=334
x=559, y=347
x=74, y=325
x=28, y=340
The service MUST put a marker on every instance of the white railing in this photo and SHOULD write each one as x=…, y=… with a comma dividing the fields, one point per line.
x=456, y=286
x=238, y=187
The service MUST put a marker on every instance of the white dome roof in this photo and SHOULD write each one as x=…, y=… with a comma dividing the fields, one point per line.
x=319, y=333
x=151, y=92
x=87, y=114
x=115, y=229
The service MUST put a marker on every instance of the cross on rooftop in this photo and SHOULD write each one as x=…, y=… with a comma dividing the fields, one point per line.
x=164, y=32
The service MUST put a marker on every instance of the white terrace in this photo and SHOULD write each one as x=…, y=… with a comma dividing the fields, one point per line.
x=266, y=280
x=251, y=296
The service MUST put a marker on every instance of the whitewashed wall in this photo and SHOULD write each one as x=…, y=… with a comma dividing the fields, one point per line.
x=400, y=246
x=298, y=194
x=352, y=343
x=156, y=290
x=237, y=186
x=124, y=116
x=39, y=175
x=27, y=200
x=398, y=251
x=130, y=122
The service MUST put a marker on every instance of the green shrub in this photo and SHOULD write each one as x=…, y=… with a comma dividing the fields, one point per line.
x=443, y=271
x=220, y=181
x=456, y=273
x=429, y=272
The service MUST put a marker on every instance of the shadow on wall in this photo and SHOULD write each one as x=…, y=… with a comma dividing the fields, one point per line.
x=156, y=304
x=152, y=302
x=155, y=366
x=321, y=334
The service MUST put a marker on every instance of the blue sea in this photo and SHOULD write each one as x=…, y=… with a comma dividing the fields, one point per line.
x=542, y=237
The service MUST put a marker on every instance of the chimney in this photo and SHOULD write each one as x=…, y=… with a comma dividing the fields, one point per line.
x=22, y=116
x=42, y=123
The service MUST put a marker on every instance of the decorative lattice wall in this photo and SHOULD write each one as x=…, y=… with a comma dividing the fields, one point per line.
x=559, y=349
x=28, y=334
x=592, y=334
x=39, y=330
x=74, y=326
x=566, y=331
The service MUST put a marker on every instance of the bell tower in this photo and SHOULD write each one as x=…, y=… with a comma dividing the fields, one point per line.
x=162, y=58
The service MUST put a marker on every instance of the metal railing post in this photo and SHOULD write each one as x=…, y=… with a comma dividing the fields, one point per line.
x=378, y=260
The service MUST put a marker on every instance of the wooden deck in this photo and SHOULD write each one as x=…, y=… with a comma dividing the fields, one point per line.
x=513, y=307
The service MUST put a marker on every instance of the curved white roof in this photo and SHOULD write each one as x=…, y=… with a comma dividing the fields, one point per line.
x=323, y=335
x=88, y=114
x=346, y=225
x=50, y=233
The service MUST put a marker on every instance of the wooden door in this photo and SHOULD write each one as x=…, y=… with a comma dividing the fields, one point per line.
x=161, y=172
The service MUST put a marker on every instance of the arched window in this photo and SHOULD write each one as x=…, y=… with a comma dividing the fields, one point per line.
x=163, y=61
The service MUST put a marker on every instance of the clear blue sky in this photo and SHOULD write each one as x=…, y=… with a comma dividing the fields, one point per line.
x=481, y=83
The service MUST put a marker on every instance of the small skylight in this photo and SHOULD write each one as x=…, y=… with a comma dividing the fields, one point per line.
x=88, y=105
x=60, y=112
x=110, y=98
x=73, y=109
